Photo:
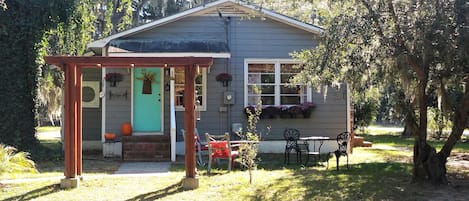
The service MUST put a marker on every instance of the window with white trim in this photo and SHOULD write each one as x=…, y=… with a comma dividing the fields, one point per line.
x=200, y=88
x=271, y=78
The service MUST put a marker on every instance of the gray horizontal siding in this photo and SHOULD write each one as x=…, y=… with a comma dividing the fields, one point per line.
x=118, y=108
x=191, y=28
x=248, y=38
x=92, y=116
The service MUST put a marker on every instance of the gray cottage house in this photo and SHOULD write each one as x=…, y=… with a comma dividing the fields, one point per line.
x=247, y=43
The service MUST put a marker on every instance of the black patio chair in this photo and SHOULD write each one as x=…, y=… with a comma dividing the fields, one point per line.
x=291, y=137
x=342, y=142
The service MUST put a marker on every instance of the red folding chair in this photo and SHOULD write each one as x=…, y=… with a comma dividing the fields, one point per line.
x=219, y=147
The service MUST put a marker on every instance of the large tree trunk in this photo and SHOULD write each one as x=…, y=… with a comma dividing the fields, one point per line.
x=427, y=163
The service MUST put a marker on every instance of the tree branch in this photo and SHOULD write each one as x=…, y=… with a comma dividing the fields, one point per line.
x=460, y=121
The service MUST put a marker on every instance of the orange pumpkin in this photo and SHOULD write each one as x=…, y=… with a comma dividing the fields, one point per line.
x=126, y=129
x=110, y=136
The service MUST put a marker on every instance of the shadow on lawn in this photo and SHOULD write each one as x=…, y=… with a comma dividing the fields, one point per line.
x=375, y=181
x=46, y=190
x=175, y=188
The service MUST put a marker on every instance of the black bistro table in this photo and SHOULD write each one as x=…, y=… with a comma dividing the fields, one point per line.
x=315, y=140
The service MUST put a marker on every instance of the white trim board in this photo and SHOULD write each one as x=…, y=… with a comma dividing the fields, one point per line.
x=171, y=54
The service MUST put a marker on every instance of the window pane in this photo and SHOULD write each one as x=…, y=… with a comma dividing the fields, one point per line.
x=179, y=75
x=252, y=91
x=288, y=68
x=290, y=90
x=198, y=90
x=268, y=100
x=198, y=79
x=285, y=78
x=252, y=100
x=267, y=89
x=268, y=78
x=261, y=68
x=254, y=78
x=179, y=86
x=200, y=98
x=263, y=89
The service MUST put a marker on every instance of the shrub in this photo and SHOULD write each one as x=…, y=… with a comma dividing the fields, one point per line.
x=13, y=162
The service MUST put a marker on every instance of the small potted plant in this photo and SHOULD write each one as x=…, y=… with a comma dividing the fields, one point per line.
x=113, y=78
x=307, y=108
x=225, y=78
x=295, y=111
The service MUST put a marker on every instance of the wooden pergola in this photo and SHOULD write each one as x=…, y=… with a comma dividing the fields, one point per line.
x=72, y=127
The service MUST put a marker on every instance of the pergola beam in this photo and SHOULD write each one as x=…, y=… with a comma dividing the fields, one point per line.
x=109, y=62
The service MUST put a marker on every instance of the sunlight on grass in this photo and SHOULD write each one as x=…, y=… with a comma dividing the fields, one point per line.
x=48, y=129
x=382, y=172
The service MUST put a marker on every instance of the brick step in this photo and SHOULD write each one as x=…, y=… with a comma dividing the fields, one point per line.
x=146, y=156
x=146, y=148
x=367, y=144
x=146, y=138
x=357, y=141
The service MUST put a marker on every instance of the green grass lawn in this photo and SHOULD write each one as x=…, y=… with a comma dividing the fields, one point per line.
x=377, y=135
x=47, y=129
x=379, y=173
x=274, y=182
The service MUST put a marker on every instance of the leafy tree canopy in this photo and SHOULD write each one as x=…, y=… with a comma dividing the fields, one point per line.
x=22, y=27
x=419, y=45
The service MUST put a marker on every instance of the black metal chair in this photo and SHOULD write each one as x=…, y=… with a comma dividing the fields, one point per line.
x=291, y=137
x=342, y=142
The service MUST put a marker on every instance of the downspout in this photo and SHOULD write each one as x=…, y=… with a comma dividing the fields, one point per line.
x=102, y=95
x=227, y=23
x=172, y=117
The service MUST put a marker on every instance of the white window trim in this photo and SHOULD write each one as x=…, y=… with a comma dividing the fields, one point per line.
x=204, y=92
x=276, y=62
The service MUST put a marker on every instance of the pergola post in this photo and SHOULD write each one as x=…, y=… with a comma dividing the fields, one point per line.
x=191, y=181
x=72, y=126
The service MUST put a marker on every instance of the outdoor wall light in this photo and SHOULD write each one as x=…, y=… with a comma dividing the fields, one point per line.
x=167, y=71
x=167, y=87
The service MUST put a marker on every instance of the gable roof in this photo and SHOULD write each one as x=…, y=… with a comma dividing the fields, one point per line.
x=243, y=6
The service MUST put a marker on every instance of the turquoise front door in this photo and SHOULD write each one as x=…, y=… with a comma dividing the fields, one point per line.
x=147, y=106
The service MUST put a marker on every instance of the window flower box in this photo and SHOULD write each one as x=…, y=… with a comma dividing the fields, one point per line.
x=270, y=112
x=303, y=110
x=295, y=111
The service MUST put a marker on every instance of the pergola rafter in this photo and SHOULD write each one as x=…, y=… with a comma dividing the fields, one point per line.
x=72, y=67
